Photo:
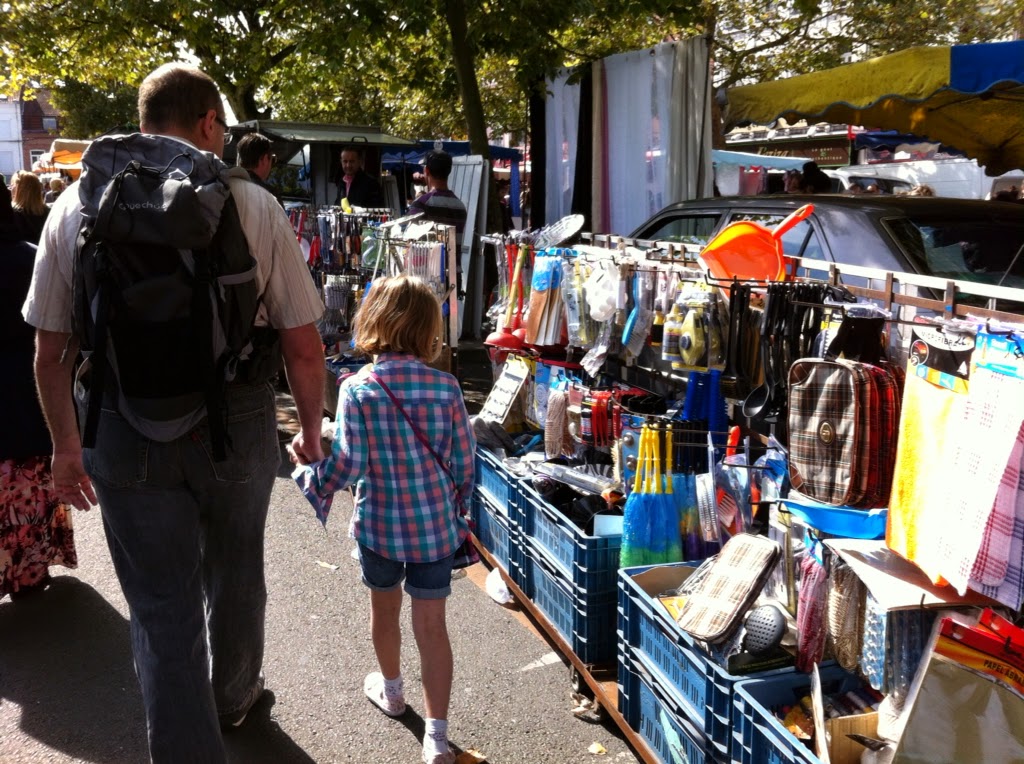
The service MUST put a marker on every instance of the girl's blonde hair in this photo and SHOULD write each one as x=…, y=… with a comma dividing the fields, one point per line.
x=27, y=193
x=401, y=314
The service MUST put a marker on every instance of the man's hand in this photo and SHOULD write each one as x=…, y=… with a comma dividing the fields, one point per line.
x=305, y=450
x=70, y=481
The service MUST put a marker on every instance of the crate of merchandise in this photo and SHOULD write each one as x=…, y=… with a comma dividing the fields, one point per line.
x=674, y=660
x=657, y=717
x=759, y=736
x=590, y=562
x=499, y=535
x=493, y=530
x=585, y=620
x=497, y=481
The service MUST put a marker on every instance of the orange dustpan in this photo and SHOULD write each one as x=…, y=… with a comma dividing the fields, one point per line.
x=748, y=251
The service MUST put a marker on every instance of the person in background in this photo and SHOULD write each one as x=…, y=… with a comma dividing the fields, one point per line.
x=356, y=185
x=30, y=210
x=56, y=187
x=255, y=155
x=814, y=180
x=35, y=525
x=440, y=204
x=186, y=533
x=405, y=441
x=921, y=189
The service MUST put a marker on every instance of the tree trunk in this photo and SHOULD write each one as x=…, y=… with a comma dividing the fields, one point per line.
x=476, y=123
x=242, y=99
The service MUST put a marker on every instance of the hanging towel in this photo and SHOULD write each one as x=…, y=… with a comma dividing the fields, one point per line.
x=1011, y=591
x=980, y=440
x=919, y=499
x=811, y=614
x=992, y=559
x=990, y=563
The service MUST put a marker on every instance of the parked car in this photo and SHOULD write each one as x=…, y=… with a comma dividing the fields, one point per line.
x=969, y=240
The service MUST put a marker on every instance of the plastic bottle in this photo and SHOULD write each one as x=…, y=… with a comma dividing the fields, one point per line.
x=671, y=334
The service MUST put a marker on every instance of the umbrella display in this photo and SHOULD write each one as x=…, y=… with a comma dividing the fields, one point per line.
x=970, y=97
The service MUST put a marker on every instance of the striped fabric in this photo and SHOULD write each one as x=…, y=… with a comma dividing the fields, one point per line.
x=843, y=423
x=823, y=425
x=442, y=207
x=714, y=610
x=405, y=507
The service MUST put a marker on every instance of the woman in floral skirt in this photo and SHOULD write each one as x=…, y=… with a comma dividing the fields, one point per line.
x=35, y=528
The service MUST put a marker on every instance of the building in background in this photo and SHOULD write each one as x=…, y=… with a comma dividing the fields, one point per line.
x=40, y=124
x=11, y=159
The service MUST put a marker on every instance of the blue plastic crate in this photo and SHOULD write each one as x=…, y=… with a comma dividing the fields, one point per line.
x=493, y=530
x=758, y=736
x=496, y=481
x=672, y=657
x=657, y=718
x=586, y=621
x=590, y=562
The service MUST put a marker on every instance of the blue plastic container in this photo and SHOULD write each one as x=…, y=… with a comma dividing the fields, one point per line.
x=496, y=481
x=843, y=522
x=586, y=621
x=674, y=660
x=758, y=736
x=658, y=719
x=493, y=530
x=589, y=562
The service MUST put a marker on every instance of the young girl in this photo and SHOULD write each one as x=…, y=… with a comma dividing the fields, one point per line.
x=406, y=521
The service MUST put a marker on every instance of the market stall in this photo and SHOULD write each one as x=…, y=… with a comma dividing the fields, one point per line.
x=755, y=511
x=346, y=251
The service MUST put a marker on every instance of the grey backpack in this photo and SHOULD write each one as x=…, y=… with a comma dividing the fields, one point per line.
x=165, y=294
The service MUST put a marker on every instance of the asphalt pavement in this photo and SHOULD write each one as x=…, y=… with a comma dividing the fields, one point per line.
x=68, y=692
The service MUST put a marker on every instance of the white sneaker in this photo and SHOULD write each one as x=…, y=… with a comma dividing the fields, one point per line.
x=373, y=686
x=448, y=757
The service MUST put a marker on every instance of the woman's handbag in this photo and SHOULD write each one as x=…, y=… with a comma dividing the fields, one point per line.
x=466, y=554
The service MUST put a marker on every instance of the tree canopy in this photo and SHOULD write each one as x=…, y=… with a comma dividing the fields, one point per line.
x=437, y=68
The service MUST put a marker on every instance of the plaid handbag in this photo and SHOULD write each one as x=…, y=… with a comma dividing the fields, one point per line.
x=715, y=609
x=827, y=430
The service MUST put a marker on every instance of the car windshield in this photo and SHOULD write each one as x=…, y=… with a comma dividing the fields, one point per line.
x=978, y=249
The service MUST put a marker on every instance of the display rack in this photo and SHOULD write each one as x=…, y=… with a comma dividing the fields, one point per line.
x=906, y=295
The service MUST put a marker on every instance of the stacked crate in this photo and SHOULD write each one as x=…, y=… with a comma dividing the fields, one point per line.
x=669, y=687
x=570, y=576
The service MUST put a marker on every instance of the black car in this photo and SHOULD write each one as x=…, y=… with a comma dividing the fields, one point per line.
x=962, y=239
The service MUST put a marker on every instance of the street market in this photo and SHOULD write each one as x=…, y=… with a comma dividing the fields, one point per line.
x=691, y=422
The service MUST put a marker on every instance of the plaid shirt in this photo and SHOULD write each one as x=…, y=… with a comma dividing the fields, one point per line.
x=405, y=503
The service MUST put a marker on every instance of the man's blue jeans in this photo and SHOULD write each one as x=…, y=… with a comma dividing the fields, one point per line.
x=186, y=537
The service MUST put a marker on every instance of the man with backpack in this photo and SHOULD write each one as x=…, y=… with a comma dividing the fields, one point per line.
x=183, y=288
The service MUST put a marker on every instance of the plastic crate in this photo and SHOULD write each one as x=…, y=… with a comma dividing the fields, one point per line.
x=758, y=737
x=493, y=530
x=585, y=620
x=657, y=718
x=496, y=481
x=674, y=660
x=589, y=562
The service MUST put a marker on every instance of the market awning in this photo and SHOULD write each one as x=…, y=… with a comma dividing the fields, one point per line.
x=311, y=132
x=967, y=96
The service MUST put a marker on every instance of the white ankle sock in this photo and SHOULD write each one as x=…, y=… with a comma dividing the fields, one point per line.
x=393, y=687
x=435, y=739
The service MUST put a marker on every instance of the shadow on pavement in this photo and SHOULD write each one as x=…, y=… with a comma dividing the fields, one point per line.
x=65, y=659
x=260, y=740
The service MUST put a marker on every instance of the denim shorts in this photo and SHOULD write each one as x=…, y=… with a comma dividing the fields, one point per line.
x=423, y=580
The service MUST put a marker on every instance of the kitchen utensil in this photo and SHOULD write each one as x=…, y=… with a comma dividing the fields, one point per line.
x=748, y=251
